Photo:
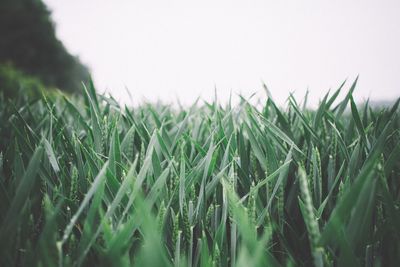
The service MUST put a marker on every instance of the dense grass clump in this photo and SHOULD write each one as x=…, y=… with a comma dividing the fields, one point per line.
x=87, y=182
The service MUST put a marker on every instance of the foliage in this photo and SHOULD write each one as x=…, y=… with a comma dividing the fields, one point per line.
x=87, y=182
x=28, y=41
x=14, y=84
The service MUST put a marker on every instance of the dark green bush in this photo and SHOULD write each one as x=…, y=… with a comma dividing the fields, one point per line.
x=14, y=84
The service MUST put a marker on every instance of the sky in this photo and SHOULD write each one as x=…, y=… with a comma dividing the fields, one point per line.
x=182, y=50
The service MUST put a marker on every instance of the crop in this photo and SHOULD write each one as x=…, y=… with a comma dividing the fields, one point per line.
x=85, y=181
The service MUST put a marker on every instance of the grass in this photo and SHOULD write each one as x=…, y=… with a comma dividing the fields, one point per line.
x=87, y=182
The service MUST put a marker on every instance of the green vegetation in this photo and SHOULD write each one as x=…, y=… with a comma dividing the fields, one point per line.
x=28, y=42
x=87, y=182
x=15, y=84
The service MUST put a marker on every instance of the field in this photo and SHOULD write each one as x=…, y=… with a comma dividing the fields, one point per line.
x=87, y=182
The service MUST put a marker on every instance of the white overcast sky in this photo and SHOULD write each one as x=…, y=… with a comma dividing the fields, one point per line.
x=164, y=50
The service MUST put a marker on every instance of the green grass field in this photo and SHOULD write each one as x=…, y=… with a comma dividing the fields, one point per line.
x=87, y=182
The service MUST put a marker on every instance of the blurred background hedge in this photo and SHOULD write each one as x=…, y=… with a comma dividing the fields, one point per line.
x=30, y=51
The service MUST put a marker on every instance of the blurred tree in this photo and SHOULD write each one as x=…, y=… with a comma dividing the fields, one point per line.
x=29, y=43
